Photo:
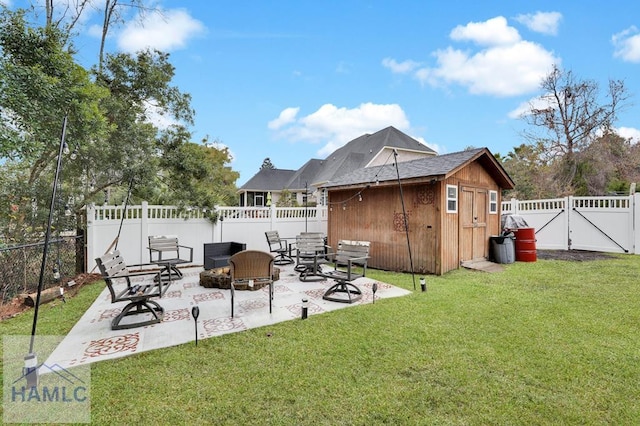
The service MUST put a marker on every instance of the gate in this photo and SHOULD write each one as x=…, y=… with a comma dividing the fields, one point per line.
x=605, y=224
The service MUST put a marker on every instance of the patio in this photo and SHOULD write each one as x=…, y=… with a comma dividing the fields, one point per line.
x=92, y=339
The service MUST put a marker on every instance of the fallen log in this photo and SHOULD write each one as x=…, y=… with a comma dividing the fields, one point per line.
x=45, y=297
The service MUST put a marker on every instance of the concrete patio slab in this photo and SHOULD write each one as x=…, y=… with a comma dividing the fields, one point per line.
x=92, y=338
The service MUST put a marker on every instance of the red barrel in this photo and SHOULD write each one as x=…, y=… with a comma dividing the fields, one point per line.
x=525, y=244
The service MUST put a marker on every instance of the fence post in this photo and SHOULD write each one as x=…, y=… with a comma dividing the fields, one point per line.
x=569, y=209
x=635, y=206
x=90, y=236
x=144, y=230
x=272, y=217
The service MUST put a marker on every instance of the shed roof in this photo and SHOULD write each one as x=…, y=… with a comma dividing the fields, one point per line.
x=438, y=167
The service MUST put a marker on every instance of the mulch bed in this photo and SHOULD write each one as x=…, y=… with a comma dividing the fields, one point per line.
x=17, y=305
x=572, y=255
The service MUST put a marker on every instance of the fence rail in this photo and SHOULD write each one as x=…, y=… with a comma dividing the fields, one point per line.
x=106, y=229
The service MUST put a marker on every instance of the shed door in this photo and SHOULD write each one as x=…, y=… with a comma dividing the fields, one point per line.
x=473, y=222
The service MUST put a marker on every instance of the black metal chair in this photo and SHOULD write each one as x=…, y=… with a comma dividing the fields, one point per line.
x=280, y=246
x=309, y=245
x=136, y=290
x=165, y=251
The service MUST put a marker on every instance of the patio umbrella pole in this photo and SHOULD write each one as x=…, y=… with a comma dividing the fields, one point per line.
x=31, y=360
x=404, y=215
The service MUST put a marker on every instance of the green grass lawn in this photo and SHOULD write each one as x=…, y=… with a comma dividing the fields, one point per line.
x=550, y=342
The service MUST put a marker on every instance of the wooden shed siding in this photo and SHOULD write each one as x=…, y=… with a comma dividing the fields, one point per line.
x=450, y=231
x=435, y=236
x=378, y=219
x=477, y=176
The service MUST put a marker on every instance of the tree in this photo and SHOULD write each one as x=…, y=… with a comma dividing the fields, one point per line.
x=609, y=165
x=40, y=84
x=569, y=116
x=196, y=175
x=532, y=175
x=112, y=15
x=111, y=134
x=267, y=164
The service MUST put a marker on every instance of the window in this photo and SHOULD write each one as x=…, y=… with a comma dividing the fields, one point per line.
x=258, y=200
x=452, y=199
x=493, y=202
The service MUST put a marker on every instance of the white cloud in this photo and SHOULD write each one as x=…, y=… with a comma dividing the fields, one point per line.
x=157, y=116
x=336, y=126
x=399, y=67
x=492, y=32
x=629, y=133
x=540, y=102
x=627, y=45
x=95, y=30
x=541, y=22
x=166, y=31
x=508, y=66
x=288, y=115
x=501, y=71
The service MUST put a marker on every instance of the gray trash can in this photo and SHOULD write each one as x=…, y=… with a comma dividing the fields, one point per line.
x=502, y=249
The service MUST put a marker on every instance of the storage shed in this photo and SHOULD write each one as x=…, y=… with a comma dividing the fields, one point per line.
x=452, y=206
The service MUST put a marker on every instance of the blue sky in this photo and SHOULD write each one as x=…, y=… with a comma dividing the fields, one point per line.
x=294, y=80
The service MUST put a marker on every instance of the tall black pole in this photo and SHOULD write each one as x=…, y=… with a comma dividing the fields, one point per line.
x=306, y=204
x=124, y=212
x=404, y=216
x=48, y=235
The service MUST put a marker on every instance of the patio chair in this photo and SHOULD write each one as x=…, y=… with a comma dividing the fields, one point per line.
x=250, y=267
x=349, y=263
x=280, y=246
x=136, y=290
x=309, y=245
x=165, y=251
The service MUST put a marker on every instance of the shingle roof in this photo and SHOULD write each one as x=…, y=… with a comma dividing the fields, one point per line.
x=362, y=150
x=356, y=154
x=428, y=167
x=304, y=176
x=269, y=180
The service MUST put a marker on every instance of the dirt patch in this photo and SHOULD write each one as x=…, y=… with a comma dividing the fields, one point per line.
x=17, y=305
x=572, y=255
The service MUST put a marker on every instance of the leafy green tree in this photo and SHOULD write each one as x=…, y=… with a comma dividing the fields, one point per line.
x=40, y=84
x=111, y=134
x=196, y=175
x=530, y=172
x=609, y=165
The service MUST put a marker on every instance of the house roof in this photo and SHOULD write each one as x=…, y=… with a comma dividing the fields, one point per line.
x=361, y=151
x=304, y=176
x=356, y=154
x=269, y=180
x=438, y=167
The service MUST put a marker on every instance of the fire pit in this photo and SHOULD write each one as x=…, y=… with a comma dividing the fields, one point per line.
x=221, y=278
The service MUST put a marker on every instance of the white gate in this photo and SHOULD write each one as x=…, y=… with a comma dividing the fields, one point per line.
x=601, y=224
x=605, y=224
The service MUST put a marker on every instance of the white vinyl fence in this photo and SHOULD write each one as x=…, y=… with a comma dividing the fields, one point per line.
x=606, y=224
x=242, y=224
